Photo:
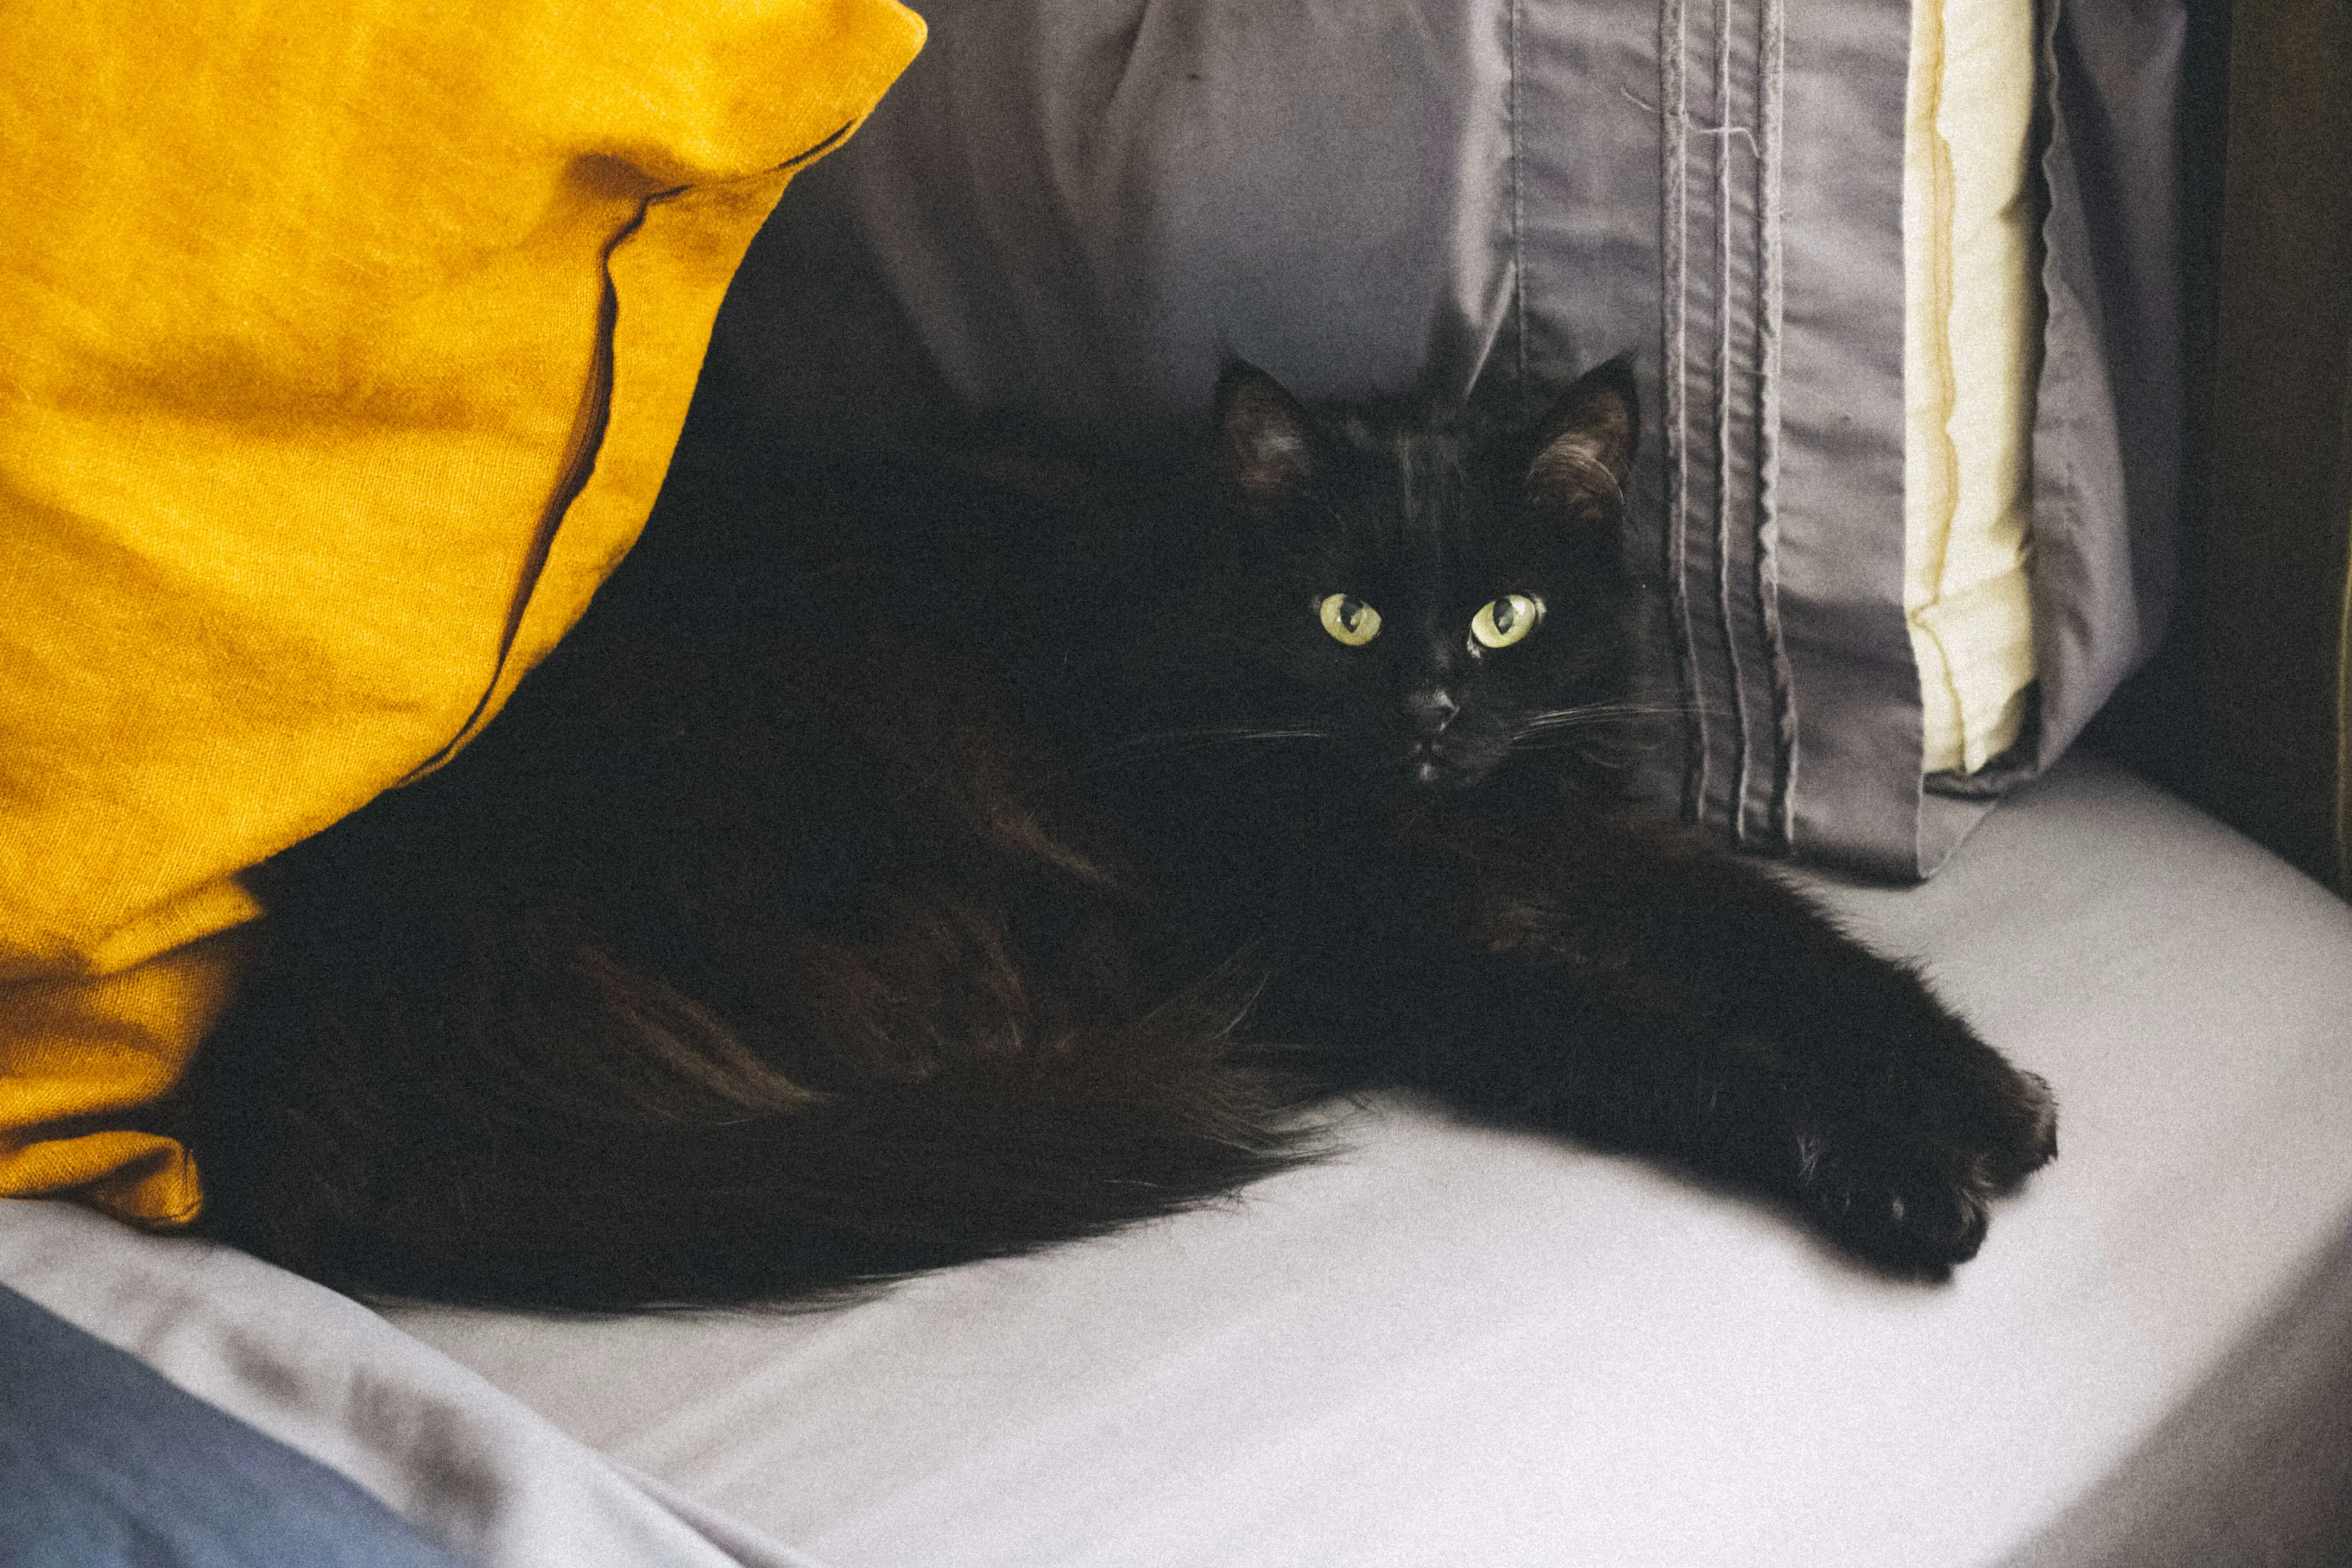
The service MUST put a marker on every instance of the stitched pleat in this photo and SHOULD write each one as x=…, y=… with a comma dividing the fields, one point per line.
x=1726, y=439
x=1771, y=285
x=1518, y=213
x=1674, y=112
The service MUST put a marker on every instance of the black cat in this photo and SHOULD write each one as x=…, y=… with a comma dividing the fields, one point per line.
x=967, y=865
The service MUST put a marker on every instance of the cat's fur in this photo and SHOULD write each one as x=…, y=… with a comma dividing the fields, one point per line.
x=951, y=875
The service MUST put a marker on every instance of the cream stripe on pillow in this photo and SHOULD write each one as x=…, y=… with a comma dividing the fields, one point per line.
x=1972, y=336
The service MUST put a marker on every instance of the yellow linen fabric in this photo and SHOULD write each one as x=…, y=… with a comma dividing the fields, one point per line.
x=346, y=344
x=1972, y=332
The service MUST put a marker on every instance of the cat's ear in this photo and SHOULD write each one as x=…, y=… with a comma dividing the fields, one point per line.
x=1583, y=452
x=1264, y=437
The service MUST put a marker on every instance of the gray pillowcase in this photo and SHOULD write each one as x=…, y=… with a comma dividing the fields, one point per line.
x=1077, y=209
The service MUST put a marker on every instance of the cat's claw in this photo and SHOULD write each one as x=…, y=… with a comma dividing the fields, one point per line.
x=2035, y=1113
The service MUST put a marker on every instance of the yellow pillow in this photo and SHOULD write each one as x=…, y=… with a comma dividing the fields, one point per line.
x=346, y=343
x=1972, y=339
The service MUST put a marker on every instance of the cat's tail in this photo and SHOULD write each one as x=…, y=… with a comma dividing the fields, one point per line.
x=621, y=1148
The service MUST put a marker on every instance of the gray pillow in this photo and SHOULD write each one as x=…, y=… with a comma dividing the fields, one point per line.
x=1078, y=208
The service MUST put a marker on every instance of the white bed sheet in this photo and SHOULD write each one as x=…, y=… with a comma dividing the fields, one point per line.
x=1457, y=1345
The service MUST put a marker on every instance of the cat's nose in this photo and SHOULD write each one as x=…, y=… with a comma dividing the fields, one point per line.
x=1432, y=707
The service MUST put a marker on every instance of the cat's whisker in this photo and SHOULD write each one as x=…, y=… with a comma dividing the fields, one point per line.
x=1595, y=714
x=1592, y=748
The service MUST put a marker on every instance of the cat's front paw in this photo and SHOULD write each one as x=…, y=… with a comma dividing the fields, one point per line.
x=1913, y=1190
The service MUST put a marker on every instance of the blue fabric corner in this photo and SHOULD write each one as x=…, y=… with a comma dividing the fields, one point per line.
x=104, y=1463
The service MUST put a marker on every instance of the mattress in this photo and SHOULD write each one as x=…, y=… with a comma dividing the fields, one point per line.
x=1454, y=1344
x=1457, y=1346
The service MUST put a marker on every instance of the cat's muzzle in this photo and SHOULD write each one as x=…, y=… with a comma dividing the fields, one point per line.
x=1446, y=762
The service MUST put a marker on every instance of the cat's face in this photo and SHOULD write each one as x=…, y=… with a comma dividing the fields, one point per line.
x=1436, y=598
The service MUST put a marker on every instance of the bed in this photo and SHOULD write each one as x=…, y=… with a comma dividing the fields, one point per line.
x=1457, y=1345
x=1446, y=1343
x=1450, y=1344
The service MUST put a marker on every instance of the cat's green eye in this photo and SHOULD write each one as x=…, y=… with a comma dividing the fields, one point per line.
x=1505, y=620
x=1349, y=618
